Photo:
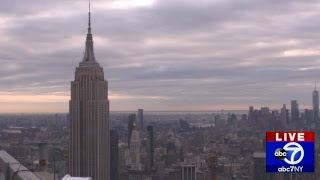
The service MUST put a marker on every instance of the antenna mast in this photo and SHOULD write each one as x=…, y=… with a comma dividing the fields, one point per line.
x=89, y=22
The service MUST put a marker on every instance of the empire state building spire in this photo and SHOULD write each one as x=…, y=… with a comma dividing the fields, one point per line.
x=89, y=22
x=88, y=57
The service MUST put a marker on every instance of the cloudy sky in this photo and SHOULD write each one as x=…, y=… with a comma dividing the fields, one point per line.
x=162, y=54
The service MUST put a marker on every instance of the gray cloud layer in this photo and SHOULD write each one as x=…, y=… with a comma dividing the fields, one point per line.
x=209, y=53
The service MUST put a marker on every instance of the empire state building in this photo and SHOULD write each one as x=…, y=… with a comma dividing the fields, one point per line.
x=89, y=118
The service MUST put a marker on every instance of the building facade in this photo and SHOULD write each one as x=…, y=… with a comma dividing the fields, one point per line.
x=134, y=152
x=140, y=120
x=131, y=122
x=114, y=155
x=295, y=114
x=89, y=118
x=188, y=172
x=308, y=115
x=149, y=149
x=315, y=105
x=284, y=115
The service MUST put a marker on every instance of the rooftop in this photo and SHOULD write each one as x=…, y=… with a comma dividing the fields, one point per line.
x=68, y=177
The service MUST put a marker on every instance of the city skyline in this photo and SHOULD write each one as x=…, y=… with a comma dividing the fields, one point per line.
x=162, y=55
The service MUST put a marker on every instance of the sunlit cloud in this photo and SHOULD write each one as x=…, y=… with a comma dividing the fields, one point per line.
x=4, y=20
x=33, y=98
x=307, y=68
x=163, y=41
x=116, y=96
x=15, y=77
x=128, y=65
x=247, y=63
x=55, y=97
x=263, y=44
x=301, y=52
x=131, y=3
x=11, y=66
x=123, y=4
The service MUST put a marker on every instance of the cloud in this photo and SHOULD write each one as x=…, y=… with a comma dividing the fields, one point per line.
x=162, y=55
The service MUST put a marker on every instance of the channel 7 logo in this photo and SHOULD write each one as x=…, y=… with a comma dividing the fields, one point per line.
x=290, y=152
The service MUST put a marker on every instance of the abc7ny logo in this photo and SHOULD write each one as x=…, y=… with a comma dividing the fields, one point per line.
x=292, y=153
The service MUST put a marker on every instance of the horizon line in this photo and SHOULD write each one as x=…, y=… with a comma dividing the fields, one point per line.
x=220, y=110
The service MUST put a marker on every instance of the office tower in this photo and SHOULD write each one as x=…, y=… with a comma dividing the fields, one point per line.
x=265, y=115
x=149, y=148
x=135, y=149
x=250, y=114
x=131, y=121
x=89, y=118
x=135, y=171
x=188, y=172
x=255, y=118
x=140, y=119
x=265, y=111
x=287, y=116
x=114, y=156
x=284, y=115
x=308, y=114
x=219, y=123
x=315, y=105
x=274, y=113
x=295, y=111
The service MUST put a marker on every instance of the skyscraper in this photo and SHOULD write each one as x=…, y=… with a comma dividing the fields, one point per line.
x=114, y=155
x=131, y=122
x=284, y=115
x=295, y=111
x=135, y=149
x=149, y=148
x=250, y=113
x=315, y=104
x=140, y=119
x=89, y=118
x=308, y=116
